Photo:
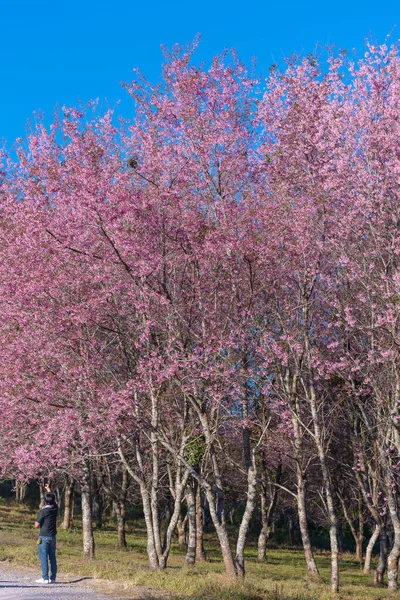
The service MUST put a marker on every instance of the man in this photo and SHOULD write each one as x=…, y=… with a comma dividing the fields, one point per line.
x=46, y=520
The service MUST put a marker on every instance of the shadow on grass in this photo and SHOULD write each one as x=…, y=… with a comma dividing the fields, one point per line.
x=229, y=595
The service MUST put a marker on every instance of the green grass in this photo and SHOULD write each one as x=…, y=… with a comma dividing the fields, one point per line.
x=282, y=577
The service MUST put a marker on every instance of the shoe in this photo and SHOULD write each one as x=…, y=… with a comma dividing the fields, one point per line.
x=41, y=580
x=52, y=581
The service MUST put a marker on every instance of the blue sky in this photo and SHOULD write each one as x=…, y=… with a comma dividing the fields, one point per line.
x=56, y=52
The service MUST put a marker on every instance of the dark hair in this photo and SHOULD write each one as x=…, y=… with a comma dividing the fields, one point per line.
x=50, y=498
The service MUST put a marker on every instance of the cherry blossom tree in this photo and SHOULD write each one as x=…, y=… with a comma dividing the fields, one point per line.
x=181, y=292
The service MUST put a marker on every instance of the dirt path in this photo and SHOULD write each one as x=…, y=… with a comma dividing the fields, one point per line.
x=20, y=585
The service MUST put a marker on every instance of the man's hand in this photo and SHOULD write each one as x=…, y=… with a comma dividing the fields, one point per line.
x=47, y=487
x=37, y=524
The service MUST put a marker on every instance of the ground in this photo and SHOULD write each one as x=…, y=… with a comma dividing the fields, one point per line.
x=125, y=574
x=17, y=584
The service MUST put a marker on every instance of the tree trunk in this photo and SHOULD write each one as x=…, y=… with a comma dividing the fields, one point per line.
x=68, y=503
x=200, y=554
x=251, y=468
x=305, y=535
x=383, y=552
x=267, y=513
x=217, y=508
x=191, y=513
x=340, y=536
x=222, y=533
x=327, y=488
x=181, y=529
x=356, y=533
x=120, y=511
x=155, y=518
x=216, y=505
x=360, y=537
x=59, y=499
x=87, y=524
x=290, y=527
x=359, y=551
x=333, y=539
x=380, y=529
x=180, y=485
x=369, y=550
x=72, y=509
x=248, y=513
x=98, y=506
x=41, y=492
x=151, y=547
x=262, y=543
x=393, y=565
x=20, y=490
x=158, y=555
x=301, y=492
x=146, y=503
x=394, y=556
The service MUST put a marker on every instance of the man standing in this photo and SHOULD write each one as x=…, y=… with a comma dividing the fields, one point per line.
x=46, y=520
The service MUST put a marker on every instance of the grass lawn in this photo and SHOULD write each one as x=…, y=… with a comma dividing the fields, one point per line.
x=282, y=577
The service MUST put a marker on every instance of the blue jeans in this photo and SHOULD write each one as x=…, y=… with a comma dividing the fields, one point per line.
x=47, y=551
